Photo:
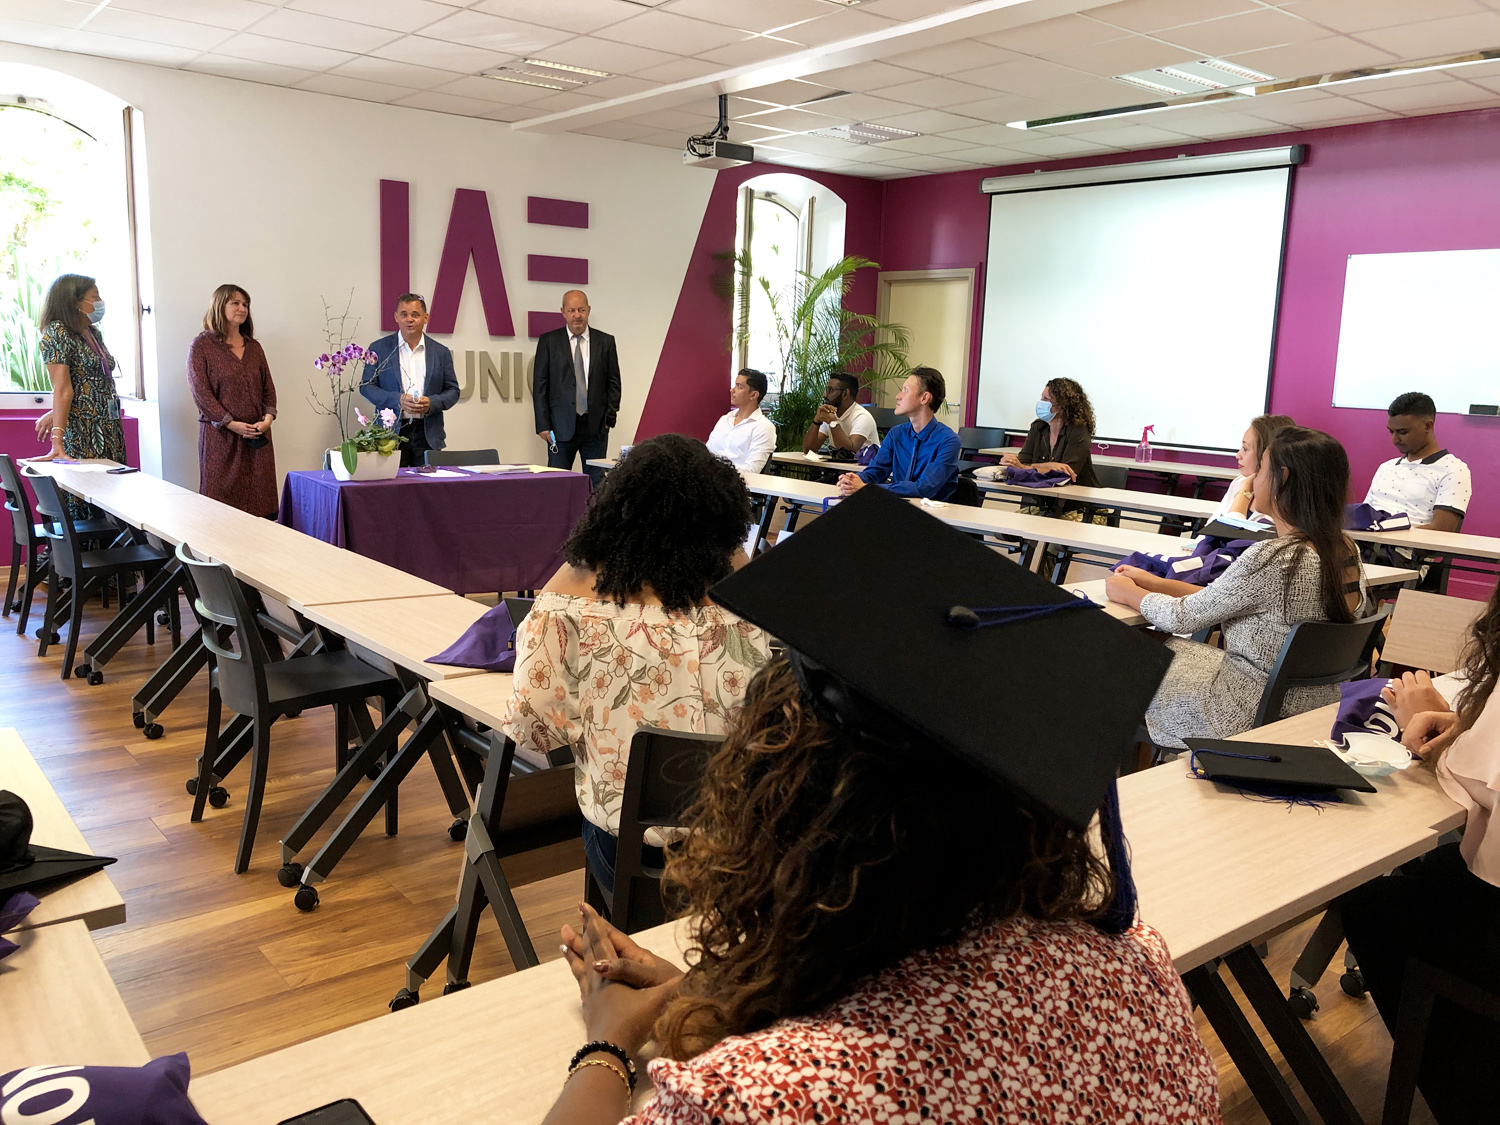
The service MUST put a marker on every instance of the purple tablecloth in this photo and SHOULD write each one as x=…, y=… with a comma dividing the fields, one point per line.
x=474, y=534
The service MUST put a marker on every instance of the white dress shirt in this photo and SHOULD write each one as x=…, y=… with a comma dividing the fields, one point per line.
x=747, y=445
x=413, y=369
x=858, y=421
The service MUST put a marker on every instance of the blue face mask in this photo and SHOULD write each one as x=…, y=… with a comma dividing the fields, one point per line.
x=98, y=314
x=1044, y=410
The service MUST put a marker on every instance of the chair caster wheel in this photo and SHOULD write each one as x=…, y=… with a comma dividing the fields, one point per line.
x=163, y=617
x=290, y=874
x=373, y=772
x=192, y=786
x=454, y=986
x=218, y=796
x=96, y=678
x=1353, y=984
x=82, y=671
x=292, y=714
x=406, y=998
x=153, y=731
x=139, y=719
x=55, y=639
x=458, y=830
x=306, y=899
x=1302, y=1003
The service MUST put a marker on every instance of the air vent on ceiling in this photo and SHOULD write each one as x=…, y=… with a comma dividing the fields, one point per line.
x=1193, y=78
x=548, y=75
x=861, y=133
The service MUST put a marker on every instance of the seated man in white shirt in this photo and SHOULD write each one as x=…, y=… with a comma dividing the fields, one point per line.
x=1426, y=482
x=745, y=437
x=841, y=421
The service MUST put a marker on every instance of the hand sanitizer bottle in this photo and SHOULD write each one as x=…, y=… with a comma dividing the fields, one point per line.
x=1143, y=450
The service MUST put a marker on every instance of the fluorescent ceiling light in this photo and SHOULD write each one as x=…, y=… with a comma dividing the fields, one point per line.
x=519, y=80
x=863, y=133
x=568, y=67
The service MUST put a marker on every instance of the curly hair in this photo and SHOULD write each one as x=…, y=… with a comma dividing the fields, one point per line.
x=815, y=861
x=1481, y=663
x=1072, y=403
x=670, y=517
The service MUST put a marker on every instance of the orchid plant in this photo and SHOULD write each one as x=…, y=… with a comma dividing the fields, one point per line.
x=343, y=364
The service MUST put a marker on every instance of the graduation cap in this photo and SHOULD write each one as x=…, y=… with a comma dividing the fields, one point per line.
x=24, y=865
x=904, y=630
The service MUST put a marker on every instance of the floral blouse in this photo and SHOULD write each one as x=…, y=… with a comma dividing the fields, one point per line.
x=93, y=428
x=590, y=673
x=1017, y=1023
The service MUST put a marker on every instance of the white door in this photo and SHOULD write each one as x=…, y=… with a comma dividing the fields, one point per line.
x=936, y=307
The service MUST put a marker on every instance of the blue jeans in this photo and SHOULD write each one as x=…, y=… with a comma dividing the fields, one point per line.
x=600, y=848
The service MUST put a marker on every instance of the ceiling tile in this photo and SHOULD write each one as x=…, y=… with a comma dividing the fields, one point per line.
x=936, y=93
x=797, y=120
x=987, y=135
x=233, y=14
x=460, y=58
x=1228, y=125
x=447, y=103
x=32, y=34
x=1423, y=99
x=950, y=58
x=397, y=73
x=923, y=163
x=621, y=86
x=1439, y=37
x=616, y=130
x=1131, y=135
x=862, y=107
x=677, y=120
x=394, y=15
x=508, y=113
x=1156, y=15
x=686, y=37
x=756, y=15
x=493, y=90
x=1251, y=31
x=559, y=103
x=910, y=9
x=1037, y=144
x=1352, y=16
x=131, y=50
x=870, y=76
x=601, y=54
x=996, y=156
x=1028, y=77
x=579, y=16
x=1123, y=56
x=753, y=49
x=247, y=69
x=924, y=145
x=846, y=24
x=824, y=146
x=1054, y=35
x=57, y=13
x=791, y=91
x=158, y=29
x=678, y=70
x=1011, y=107
x=738, y=106
x=929, y=121
x=665, y=138
x=247, y=45
x=342, y=86
x=322, y=31
x=493, y=33
x=1309, y=109
x=1319, y=56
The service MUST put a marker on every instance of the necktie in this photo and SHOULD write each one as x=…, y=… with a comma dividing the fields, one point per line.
x=580, y=382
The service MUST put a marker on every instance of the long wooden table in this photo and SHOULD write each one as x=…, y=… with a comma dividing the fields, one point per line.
x=93, y=899
x=1202, y=470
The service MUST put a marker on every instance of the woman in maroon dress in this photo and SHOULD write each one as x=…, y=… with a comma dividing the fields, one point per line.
x=231, y=383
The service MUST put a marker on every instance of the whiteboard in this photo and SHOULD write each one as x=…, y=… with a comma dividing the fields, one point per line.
x=1158, y=297
x=1427, y=321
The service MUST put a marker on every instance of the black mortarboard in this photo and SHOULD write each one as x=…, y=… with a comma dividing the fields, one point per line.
x=886, y=611
x=24, y=865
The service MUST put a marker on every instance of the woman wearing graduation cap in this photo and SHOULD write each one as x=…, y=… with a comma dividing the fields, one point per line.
x=897, y=910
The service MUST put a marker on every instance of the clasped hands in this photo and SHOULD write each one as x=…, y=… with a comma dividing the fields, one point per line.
x=624, y=986
x=1428, y=724
x=250, y=429
x=419, y=406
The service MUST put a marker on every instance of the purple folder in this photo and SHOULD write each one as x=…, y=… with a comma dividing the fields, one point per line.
x=1362, y=710
x=1033, y=479
x=489, y=643
x=1366, y=517
x=1211, y=557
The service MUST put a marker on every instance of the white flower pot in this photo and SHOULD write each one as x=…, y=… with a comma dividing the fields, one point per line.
x=368, y=466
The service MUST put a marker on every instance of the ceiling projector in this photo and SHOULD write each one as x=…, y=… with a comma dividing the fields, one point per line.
x=715, y=150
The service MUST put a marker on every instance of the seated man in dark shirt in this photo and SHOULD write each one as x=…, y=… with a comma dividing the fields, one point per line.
x=919, y=458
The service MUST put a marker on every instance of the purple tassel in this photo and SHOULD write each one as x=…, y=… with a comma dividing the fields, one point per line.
x=1120, y=915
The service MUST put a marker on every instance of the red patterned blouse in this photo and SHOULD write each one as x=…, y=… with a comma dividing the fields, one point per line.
x=1019, y=1022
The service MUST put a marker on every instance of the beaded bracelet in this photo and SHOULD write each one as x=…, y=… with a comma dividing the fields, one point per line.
x=612, y=1068
x=609, y=1049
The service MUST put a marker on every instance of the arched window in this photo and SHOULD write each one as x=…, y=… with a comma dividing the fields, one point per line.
x=67, y=205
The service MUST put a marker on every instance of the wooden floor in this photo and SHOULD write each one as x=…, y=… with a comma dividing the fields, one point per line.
x=225, y=968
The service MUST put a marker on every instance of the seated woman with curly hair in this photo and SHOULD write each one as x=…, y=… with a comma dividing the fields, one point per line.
x=898, y=911
x=623, y=636
x=1061, y=439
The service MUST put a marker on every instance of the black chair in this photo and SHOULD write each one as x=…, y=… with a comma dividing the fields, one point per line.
x=966, y=492
x=885, y=419
x=245, y=678
x=463, y=457
x=87, y=570
x=1319, y=653
x=1421, y=985
x=662, y=780
x=28, y=542
x=971, y=439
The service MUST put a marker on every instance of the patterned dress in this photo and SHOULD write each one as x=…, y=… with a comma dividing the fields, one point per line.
x=230, y=388
x=1018, y=1022
x=93, y=428
x=1210, y=692
x=590, y=673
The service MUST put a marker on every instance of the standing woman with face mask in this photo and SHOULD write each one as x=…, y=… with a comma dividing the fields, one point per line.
x=1062, y=436
x=85, y=417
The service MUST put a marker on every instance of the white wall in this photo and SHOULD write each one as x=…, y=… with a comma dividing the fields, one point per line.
x=278, y=190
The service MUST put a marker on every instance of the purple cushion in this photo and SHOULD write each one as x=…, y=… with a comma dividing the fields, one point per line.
x=1365, y=517
x=1033, y=479
x=1211, y=557
x=489, y=643
x=13, y=911
x=1362, y=710
x=154, y=1094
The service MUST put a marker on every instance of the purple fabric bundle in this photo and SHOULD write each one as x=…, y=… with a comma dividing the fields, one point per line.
x=1366, y=517
x=13, y=912
x=489, y=643
x=867, y=455
x=154, y=1094
x=1210, y=558
x=1033, y=479
x=1361, y=710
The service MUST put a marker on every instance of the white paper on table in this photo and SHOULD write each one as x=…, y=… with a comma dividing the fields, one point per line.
x=814, y=457
x=498, y=468
x=444, y=473
x=88, y=468
x=1373, y=754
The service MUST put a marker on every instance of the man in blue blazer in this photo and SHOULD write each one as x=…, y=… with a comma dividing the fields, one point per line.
x=575, y=387
x=412, y=375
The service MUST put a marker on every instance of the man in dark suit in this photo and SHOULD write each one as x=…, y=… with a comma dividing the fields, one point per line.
x=575, y=387
x=412, y=375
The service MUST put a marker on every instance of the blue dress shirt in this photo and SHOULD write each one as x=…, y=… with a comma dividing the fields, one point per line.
x=917, y=463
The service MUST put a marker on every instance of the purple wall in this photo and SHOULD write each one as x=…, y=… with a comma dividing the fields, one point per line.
x=1426, y=183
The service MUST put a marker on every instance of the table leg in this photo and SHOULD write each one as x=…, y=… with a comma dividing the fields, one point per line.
x=1271, y=1092
x=1318, y=953
x=166, y=683
x=133, y=614
x=1297, y=1047
x=764, y=528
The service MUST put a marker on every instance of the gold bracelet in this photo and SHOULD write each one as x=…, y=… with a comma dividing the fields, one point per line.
x=611, y=1067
